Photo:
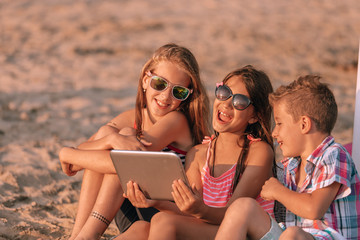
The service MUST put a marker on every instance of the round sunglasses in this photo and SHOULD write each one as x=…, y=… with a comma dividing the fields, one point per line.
x=160, y=84
x=239, y=101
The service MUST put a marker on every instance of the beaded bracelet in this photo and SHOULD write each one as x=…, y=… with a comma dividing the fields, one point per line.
x=100, y=217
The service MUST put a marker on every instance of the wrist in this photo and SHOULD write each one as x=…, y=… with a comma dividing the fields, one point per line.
x=64, y=153
x=109, y=139
x=202, y=213
x=155, y=204
x=280, y=192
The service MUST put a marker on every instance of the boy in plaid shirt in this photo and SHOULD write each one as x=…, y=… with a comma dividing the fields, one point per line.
x=318, y=193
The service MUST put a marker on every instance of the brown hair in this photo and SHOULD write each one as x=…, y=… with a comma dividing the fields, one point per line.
x=196, y=106
x=307, y=96
x=258, y=86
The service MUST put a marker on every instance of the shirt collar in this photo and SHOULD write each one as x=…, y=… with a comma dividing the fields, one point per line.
x=293, y=162
x=319, y=151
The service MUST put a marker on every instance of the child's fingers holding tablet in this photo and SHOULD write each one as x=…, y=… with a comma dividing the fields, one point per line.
x=137, y=197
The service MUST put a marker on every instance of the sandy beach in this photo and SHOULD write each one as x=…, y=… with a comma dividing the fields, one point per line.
x=67, y=67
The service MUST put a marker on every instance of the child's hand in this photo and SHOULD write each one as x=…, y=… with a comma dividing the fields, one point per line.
x=67, y=169
x=127, y=131
x=270, y=188
x=188, y=200
x=207, y=139
x=136, y=196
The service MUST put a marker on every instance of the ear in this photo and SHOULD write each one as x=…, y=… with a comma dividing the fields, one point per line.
x=253, y=119
x=305, y=124
x=145, y=81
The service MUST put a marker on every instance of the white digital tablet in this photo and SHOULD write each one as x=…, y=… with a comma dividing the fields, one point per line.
x=154, y=172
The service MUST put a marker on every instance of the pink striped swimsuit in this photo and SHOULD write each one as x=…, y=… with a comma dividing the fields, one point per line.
x=217, y=190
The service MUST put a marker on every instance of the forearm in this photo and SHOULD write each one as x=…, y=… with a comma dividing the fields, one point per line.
x=100, y=140
x=99, y=144
x=167, y=206
x=301, y=204
x=95, y=160
x=210, y=214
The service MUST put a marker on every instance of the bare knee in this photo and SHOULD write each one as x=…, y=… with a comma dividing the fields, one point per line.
x=103, y=131
x=163, y=226
x=142, y=229
x=295, y=233
x=162, y=219
x=245, y=206
x=246, y=217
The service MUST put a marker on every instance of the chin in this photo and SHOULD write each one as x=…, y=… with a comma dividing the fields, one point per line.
x=218, y=126
x=287, y=155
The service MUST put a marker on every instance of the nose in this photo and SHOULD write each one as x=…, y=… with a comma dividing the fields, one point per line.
x=228, y=103
x=274, y=133
x=166, y=94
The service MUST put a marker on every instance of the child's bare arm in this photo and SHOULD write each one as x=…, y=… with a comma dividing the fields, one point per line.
x=116, y=140
x=258, y=170
x=189, y=198
x=172, y=128
x=307, y=205
x=88, y=159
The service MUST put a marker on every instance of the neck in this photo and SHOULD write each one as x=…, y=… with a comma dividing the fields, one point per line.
x=148, y=119
x=229, y=140
x=311, y=142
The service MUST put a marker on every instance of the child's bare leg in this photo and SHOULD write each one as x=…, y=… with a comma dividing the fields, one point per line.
x=171, y=226
x=89, y=191
x=244, y=218
x=139, y=230
x=91, y=184
x=106, y=206
x=295, y=233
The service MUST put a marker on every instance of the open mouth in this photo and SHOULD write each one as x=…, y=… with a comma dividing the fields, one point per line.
x=223, y=117
x=161, y=104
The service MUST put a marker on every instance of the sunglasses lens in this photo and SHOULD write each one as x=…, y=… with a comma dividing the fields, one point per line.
x=158, y=83
x=240, y=101
x=222, y=93
x=180, y=93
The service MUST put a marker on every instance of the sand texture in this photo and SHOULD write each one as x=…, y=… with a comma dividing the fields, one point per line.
x=67, y=67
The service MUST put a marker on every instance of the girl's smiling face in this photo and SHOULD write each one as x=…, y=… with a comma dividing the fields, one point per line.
x=159, y=103
x=225, y=117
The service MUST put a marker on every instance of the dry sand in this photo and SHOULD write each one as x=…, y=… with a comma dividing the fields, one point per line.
x=67, y=67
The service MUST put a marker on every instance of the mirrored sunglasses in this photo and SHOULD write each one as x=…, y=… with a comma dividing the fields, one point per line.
x=160, y=84
x=239, y=101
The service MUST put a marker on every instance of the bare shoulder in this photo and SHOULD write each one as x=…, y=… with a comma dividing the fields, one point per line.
x=174, y=123
x=197, y=155
x=199, y=149
x=260, y=152
x=129, y=113
x=174, y=115
x=125, y=119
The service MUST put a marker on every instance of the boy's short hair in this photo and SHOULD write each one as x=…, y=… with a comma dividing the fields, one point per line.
x=307, y=96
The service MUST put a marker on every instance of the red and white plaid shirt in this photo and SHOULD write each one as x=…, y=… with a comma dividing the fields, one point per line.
x=329, y=163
